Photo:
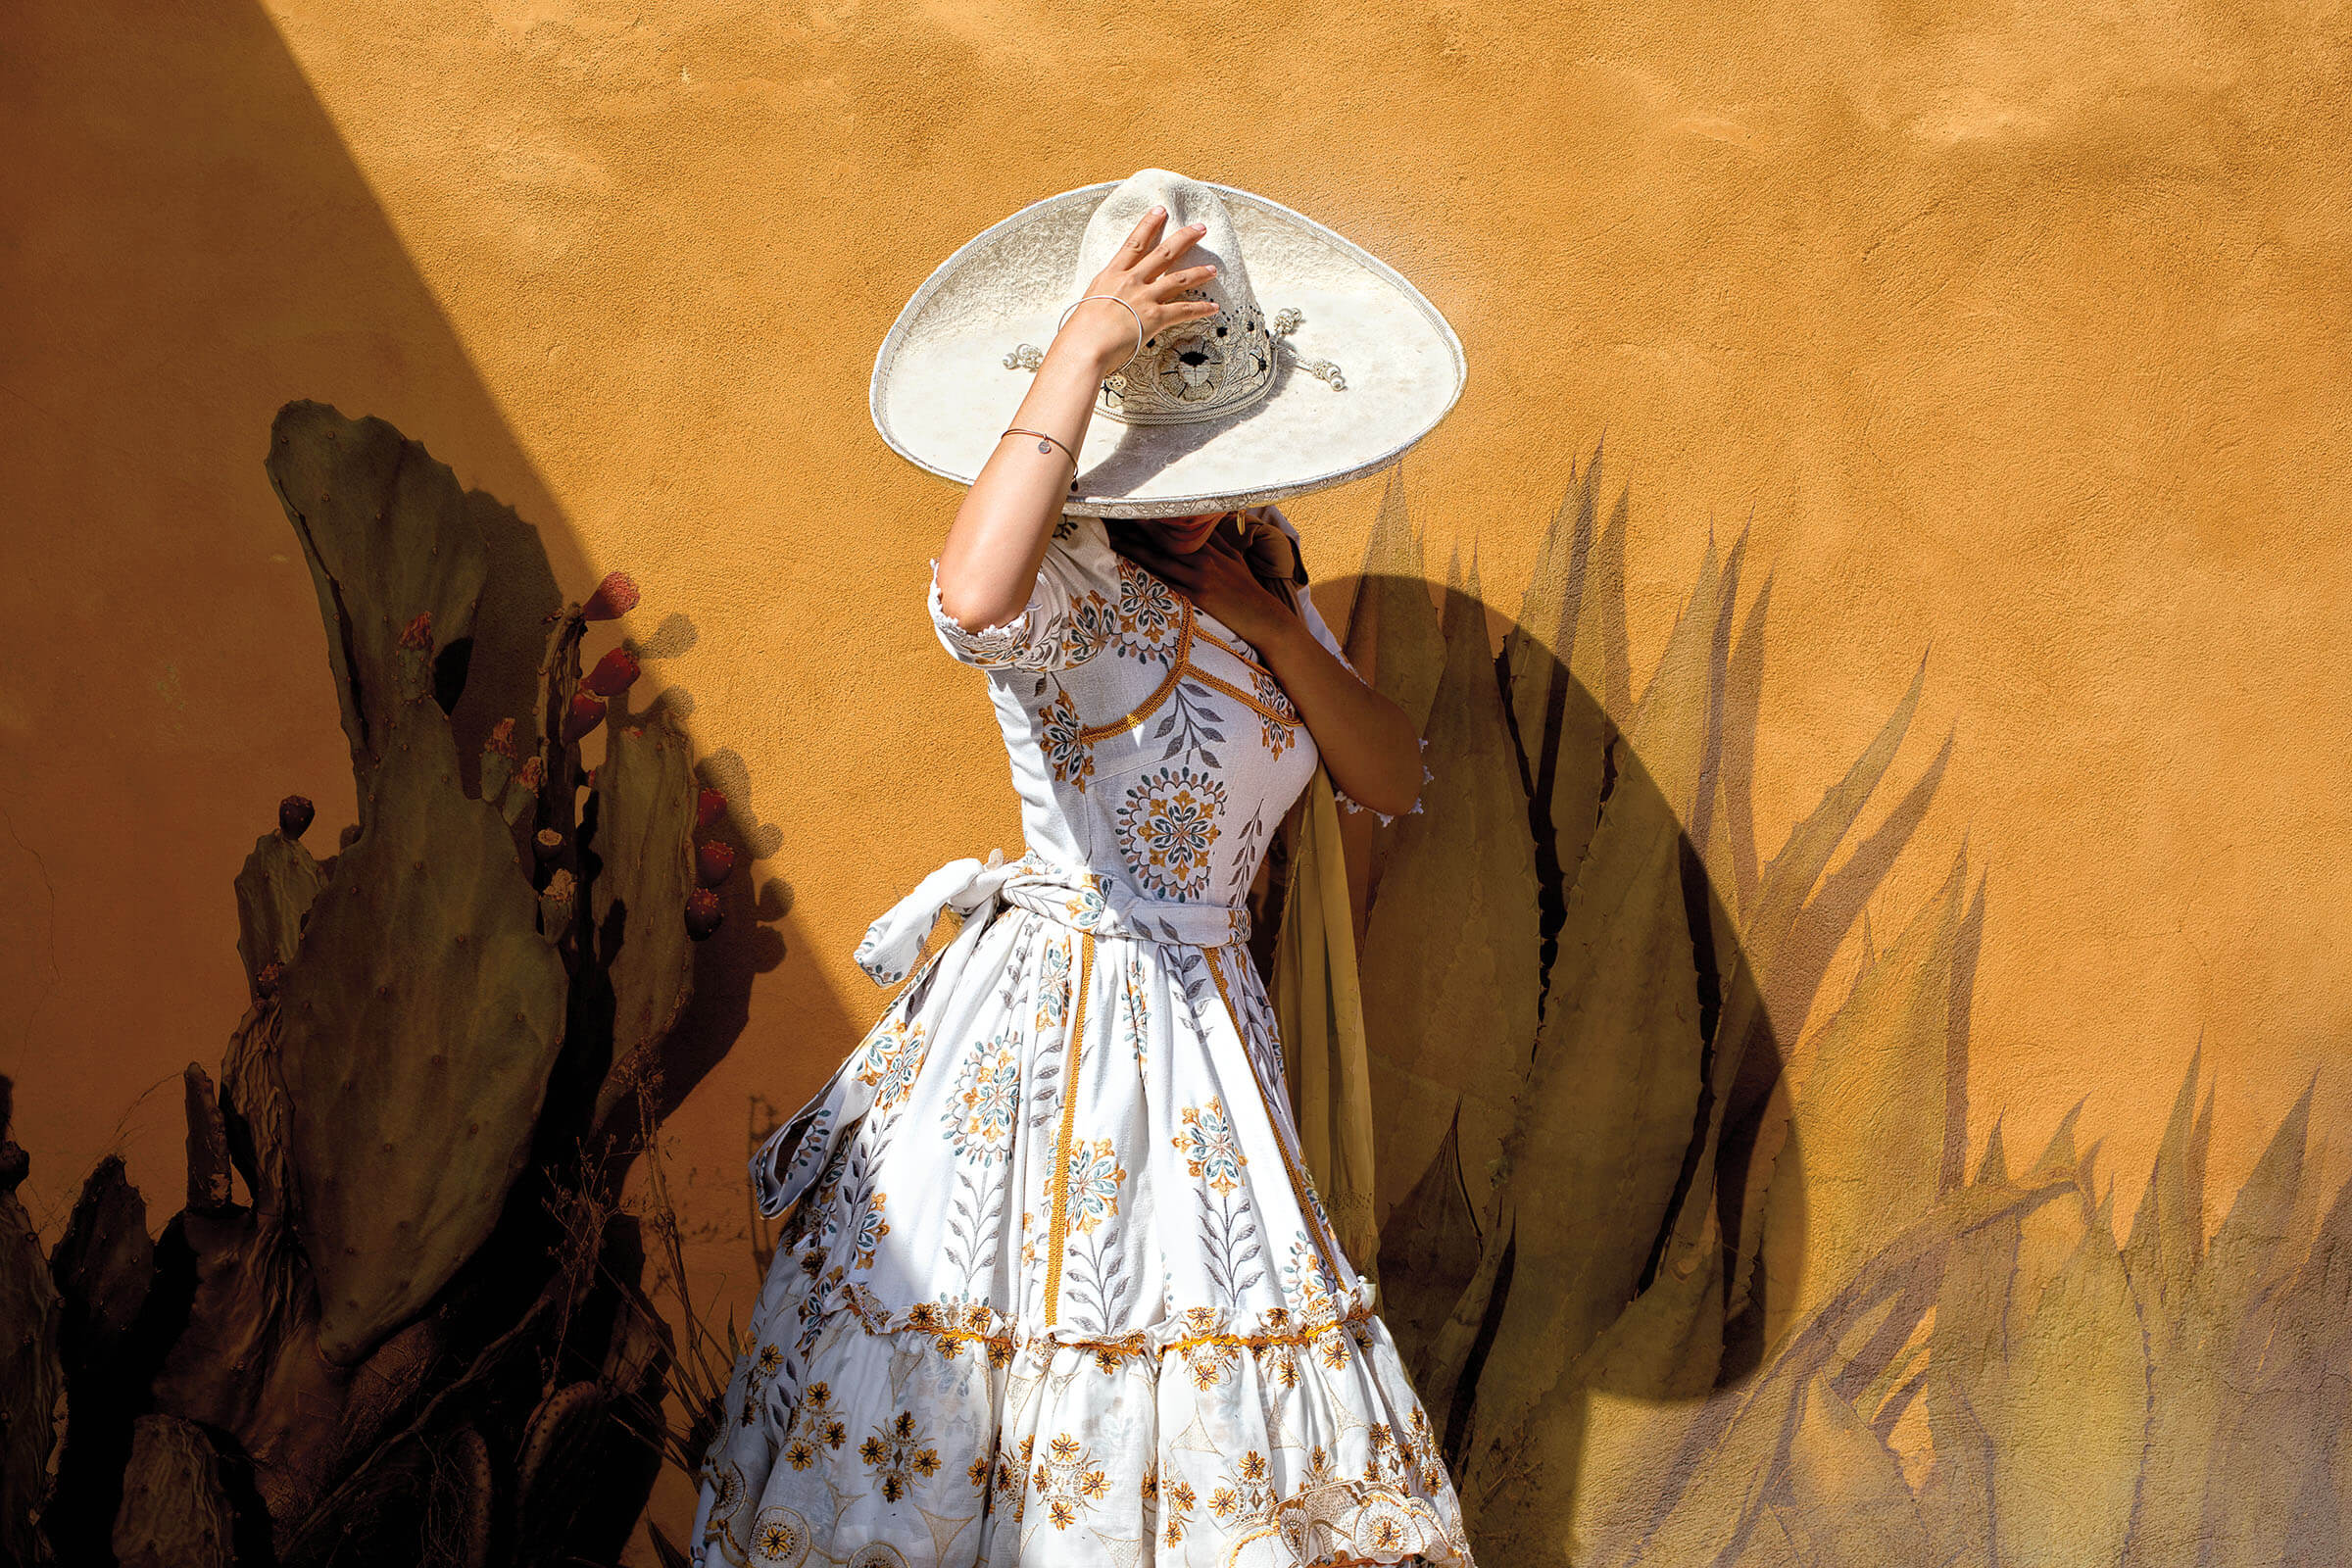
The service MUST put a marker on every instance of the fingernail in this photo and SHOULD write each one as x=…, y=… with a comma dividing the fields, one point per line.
x=1158, y=212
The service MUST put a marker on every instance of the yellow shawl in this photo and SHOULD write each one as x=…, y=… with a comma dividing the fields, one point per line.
x=1319, y=1007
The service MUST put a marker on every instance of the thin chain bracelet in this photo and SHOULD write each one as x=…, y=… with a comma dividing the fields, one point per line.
x=1047, y=443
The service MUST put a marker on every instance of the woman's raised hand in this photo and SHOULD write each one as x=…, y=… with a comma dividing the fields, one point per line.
x=1139, y=276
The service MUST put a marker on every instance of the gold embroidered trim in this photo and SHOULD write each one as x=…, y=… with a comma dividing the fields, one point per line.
x=936, y=1320
x=1057, y=1234
x=1180, y=666
x=1301, y=1187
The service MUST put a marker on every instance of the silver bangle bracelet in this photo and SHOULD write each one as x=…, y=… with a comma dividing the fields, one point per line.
x=1114, y=299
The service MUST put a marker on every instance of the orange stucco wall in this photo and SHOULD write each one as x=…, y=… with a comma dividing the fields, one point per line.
x=2017, y=335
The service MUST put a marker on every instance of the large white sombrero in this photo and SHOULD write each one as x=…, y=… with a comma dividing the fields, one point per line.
x=1323, y=367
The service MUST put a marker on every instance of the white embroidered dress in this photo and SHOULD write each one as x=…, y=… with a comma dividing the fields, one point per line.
x=1057, y=1289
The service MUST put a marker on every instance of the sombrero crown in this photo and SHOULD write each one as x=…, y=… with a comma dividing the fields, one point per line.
x=1350, y=369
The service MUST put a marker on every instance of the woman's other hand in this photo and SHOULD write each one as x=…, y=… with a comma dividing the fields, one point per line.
x=1216, y=577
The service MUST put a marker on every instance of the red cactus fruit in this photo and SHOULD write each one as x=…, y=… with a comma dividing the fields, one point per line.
x=532, y=773
x=418, y=632
x=613, y=673
x=703, y=913
x=710, y=808
x=548, y=842
x=501, y=738
x=712, y=860
x=615, y=597
x=294, y=814
x=585, y=714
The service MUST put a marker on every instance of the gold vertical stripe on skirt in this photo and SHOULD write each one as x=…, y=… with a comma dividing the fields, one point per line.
x=1058, y=1233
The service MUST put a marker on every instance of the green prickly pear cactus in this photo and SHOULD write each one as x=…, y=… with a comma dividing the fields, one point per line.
x=422, y=1011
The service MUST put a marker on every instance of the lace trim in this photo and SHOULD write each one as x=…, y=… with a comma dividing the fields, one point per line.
x=1340, y=796
x=997, y=644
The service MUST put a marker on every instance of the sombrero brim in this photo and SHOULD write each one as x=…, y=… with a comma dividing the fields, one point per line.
x=942, y=393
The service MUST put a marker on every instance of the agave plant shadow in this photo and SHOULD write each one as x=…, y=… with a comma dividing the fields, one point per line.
x=1578, y=978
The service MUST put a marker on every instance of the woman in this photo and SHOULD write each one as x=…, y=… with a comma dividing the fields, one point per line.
x=1055, y=1287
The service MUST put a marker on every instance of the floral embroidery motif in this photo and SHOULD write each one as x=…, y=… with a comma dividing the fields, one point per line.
x=1093, y=1187
x=871, y=1228
x=987, y=1098
x=1053, y=985
x=1281, y=733
x=814, y=1423
x=1149, y=616
x=1176, y=1505
x=1211, y=1151
x=898, y=1454
x=1167, y=825
x=780, y=1536
x=894, y=1054
x=1083, y=629
x=1244, y=1492
x=1069, y=1481
x=1064, y=748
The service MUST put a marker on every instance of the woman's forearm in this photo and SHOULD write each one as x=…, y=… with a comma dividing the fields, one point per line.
x=1367, y=741
x=989, y=562
x=990, y=559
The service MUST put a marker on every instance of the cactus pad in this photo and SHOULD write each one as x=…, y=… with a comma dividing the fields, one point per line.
x=388, y=538
x=275, y=891
x=174, y=1513
x=417, y=1027
x=645, y=805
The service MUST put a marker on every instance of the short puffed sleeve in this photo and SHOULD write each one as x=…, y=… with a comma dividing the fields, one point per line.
x=1063, y=624
x=1323, y=635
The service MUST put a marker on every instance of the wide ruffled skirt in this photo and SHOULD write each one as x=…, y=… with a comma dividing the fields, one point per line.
x=1058, y=1291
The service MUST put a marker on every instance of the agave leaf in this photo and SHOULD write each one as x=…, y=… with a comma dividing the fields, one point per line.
x=1393, y=633
x=2271, y=1494
x=1608, y=1109
x=388, y=538
x=2067, y=1415
x=1625, y=1408
x=1848, y=1501
x=1871, y=1139
x=1743, y=702
x=644, y=813
x=1956, y=1497
x=1535, y=650
x=1429, y=1251
x=1717, y=1487
x=1595, y=651
x=1449, y=957
x=2210, y=1334
x=1747, y=1076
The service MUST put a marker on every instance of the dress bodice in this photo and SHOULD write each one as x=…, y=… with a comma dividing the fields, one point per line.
x=1148, y=744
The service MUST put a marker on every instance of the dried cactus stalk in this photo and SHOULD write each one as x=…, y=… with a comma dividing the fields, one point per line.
x=173, y=1515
